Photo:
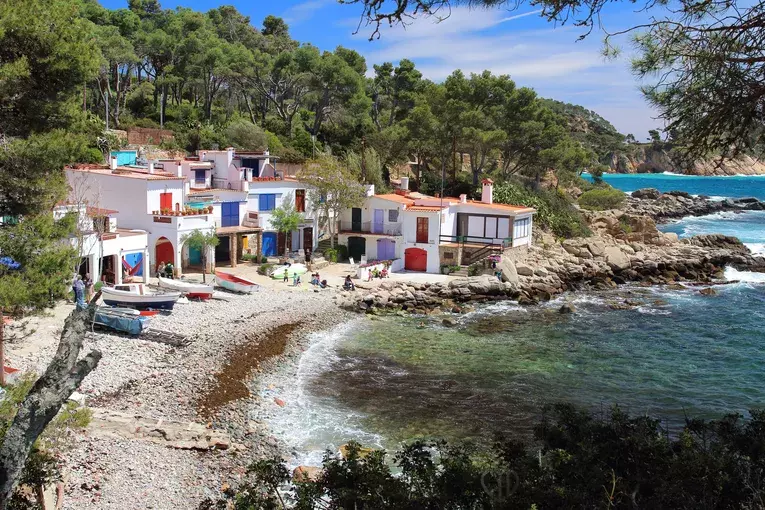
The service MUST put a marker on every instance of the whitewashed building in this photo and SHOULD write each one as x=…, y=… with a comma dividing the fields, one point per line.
x=153, y=199
x=427, y=232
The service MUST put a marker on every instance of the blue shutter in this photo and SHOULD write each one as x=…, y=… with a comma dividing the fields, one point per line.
x=229, y=214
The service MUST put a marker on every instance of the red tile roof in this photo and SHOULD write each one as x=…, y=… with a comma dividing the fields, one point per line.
x=97, y=211
x=396, y=198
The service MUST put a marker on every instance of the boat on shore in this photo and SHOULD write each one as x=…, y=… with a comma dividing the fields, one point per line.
x=134, y=295
x=123, y=320
x=292, y=270
x=188, y=289
x=235, y=283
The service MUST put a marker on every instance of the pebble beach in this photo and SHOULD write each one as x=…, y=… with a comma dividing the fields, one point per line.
x=214, y=381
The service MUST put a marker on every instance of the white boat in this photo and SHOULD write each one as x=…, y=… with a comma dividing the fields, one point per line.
x=192, y=290
x=133, y=295
x=292, y=270
x=235, y=283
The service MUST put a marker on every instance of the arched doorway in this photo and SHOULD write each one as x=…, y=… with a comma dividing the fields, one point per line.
x=163, y=252
x=415, y=259
x=357, y=246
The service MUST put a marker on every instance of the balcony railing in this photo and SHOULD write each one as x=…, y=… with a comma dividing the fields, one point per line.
x=370, y=227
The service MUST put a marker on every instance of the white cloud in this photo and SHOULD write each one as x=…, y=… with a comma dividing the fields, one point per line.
x=304, y=11
x=549, y=59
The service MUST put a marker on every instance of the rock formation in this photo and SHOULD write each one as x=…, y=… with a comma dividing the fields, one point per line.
x=649, y=159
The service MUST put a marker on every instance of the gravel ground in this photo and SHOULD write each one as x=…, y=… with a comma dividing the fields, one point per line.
x=155, y=380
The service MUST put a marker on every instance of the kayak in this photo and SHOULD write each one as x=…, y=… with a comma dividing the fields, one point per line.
x=294, y=269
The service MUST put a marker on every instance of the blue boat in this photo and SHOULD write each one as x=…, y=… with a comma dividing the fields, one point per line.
x=122, y=320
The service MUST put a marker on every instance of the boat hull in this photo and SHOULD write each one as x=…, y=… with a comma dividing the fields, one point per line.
x=121, y=298
x=236, y=284
x=191, y=290
x=158, y=305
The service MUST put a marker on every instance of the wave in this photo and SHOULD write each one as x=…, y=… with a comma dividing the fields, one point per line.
x=733, y=274
x=756, y=248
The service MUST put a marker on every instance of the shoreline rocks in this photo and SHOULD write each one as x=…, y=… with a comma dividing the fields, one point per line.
x=671, y=205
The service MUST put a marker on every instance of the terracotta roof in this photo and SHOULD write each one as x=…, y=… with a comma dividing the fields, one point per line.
x=425, y=208
x=97, y=211
x=396, y=198
x=131, y=173
x=487, y=181
x=201, y=191
x=507, y=207
x=267, y=179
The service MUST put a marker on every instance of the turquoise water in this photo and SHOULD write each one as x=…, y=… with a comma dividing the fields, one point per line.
x=734, y=187
x=678, y=354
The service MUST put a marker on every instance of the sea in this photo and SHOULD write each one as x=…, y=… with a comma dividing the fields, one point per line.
x=387, y=380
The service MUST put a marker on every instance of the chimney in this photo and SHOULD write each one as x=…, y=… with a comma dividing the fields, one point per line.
x=487, y=194
x=178, y=169
x=404, y=184
x=463, y=199
x=370, y=190
x=151, y=167
x=113, y=163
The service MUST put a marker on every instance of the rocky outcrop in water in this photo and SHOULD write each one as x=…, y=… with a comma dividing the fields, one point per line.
x=647, y=158
x=678, y=204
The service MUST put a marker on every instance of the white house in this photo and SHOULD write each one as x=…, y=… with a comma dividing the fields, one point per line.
x=152, y=199
x=427, y=232
x=247, y=187
x=104, y=248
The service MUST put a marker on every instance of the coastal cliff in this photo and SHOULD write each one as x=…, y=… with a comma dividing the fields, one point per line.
x=647, y=158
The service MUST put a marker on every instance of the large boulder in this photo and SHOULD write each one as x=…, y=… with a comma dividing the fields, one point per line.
x=524, y=270
x=509, y=272
x=616, y=258
x=597, y=248
x=649, y=193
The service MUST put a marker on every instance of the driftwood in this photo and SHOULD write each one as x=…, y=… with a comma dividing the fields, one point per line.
x=62, y=377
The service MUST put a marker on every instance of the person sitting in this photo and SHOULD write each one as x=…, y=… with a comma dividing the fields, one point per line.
x=348, y=284
x=384, y=273
x=323, y=284
x=169, y=270
x=315, y=279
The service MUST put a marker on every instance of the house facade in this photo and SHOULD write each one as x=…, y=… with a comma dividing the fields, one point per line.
x=104, y=248
x=152, y=199
x=246, y=187
x=428, y=232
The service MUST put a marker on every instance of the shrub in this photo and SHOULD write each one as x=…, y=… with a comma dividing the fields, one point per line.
x=249, y=257
x=555, y=212
x=264, y=269
x=243, y=134
x=602, y=199
x=331, y=254
x=474, y=269
x=342, y=252
x=263, y=259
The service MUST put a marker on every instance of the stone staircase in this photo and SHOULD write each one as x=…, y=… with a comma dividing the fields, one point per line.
x=324, y=244
x=462, y=273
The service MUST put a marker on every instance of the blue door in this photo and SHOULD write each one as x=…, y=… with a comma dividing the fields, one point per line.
x=386, y=249
x=269, y=244
x=229, y=214
x=377, y=224
x=195, y=256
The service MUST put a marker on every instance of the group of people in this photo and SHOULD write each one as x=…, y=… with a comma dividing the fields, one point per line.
x=316, y=280
x=165, y=270
x=375, y=273
x=83, y=289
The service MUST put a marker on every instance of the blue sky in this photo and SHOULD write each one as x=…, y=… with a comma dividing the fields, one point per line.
x=518, y=42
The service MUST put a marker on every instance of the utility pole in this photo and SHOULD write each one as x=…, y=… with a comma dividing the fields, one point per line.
x=363, y=159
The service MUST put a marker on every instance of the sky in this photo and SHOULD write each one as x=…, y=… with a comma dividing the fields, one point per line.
x=534, y=52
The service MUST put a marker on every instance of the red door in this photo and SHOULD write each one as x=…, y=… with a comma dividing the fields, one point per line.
x=422, y=230
x=415, y=259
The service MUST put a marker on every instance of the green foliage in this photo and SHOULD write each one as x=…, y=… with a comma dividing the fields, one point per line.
x=265, y=268
x=46, y=263
x=202, y=241
x=242, y=134
x=628, y=463
x=331, y=255
x=602, y=199
x=554, y=211
x=474, y=269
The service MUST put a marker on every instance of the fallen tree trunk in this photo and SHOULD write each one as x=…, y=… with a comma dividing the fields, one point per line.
x=62, y=377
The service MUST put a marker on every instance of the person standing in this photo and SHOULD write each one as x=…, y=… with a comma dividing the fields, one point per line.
x=79, y=292
x=88, y=288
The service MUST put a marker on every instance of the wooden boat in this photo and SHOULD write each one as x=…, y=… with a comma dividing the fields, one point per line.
x=235, y=283
x=133, y=295
x=188, y=289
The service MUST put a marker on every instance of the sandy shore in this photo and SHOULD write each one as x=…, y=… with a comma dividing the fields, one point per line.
x=214, y=380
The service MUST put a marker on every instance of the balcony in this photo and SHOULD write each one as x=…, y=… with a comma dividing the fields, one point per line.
x=368, y=227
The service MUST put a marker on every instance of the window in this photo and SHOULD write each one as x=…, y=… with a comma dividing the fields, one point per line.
x=165, y=201
x=521, y=228
x=393, y=215
x=266, y=202
x=323, y=198
x=422, y=229
x=199, y=177
x=300, y=200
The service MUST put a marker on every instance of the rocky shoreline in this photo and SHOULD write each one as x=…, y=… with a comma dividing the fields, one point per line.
x=624, y=248
x=663, y=207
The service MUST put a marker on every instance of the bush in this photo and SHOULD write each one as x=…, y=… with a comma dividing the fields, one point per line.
x=602, y=199
x=249, y=257
x=263, y=259
x=342, y=252
x=245, y=135
x=555, y=212
x=474, y=269
x=264, y=269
